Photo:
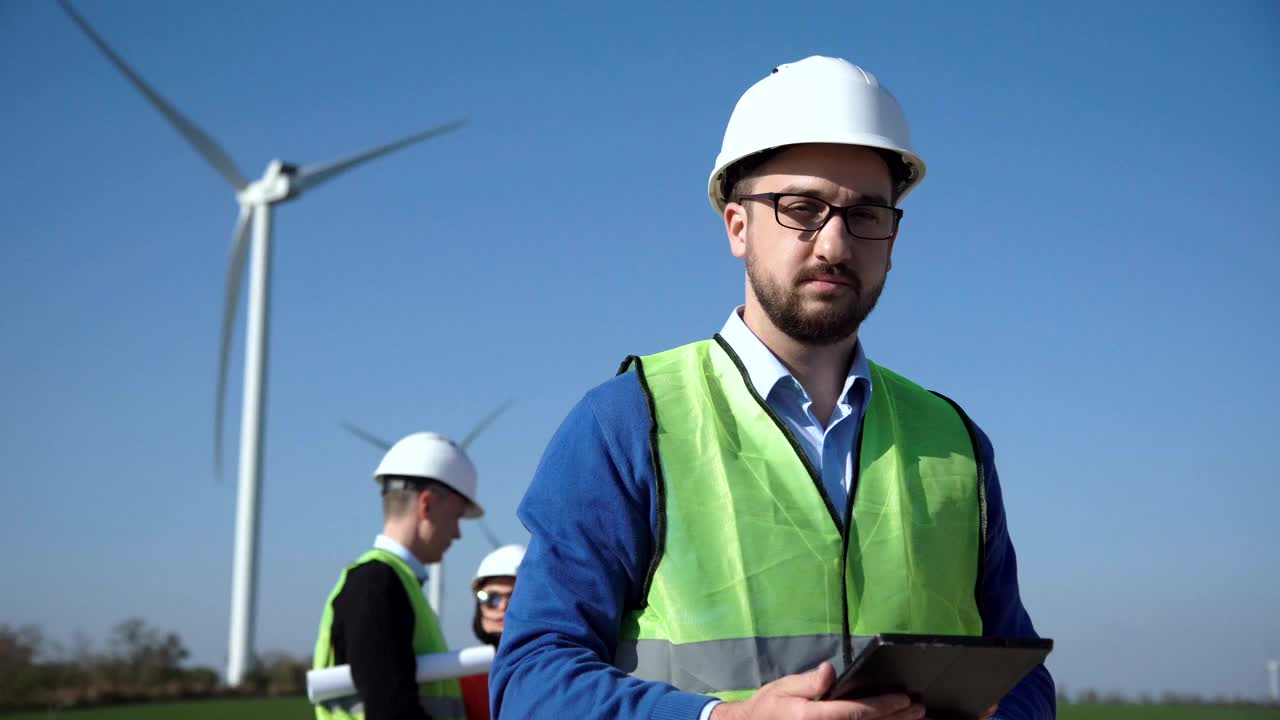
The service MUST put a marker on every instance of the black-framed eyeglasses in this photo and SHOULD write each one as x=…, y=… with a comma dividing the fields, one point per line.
x=869, y=221
x=493, y=600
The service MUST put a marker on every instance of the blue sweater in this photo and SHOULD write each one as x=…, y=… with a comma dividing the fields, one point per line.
x=592, y=513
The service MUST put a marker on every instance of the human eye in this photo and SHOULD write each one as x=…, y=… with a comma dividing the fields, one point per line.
x=799, y=206
x=867, y=215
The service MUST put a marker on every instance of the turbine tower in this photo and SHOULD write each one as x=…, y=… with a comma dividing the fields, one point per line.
x=1273, y=679
x=251, y=240
x=435, y=576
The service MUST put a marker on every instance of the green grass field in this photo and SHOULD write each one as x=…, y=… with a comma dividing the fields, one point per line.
x=297, y=709
x=293, y=708
x=1165, y=712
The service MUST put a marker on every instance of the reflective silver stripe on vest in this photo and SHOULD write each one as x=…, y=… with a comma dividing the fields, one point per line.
x=439, y=708
x=351, y=705
x=720, y=665
x=444, y=708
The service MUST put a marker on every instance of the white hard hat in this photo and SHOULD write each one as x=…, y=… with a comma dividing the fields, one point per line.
x=816, y=100
x=436, y=457
x=502, y=561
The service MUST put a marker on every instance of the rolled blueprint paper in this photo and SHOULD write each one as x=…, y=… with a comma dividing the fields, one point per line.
x=335, y=682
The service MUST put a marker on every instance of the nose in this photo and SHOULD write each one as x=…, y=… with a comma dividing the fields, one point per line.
x=832, y=244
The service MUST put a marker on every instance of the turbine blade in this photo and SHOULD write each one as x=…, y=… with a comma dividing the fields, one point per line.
x=310, y=177
x=365, y=435
x=199, y=139
x=235, y=275
x=488, y=534
x=484, y=423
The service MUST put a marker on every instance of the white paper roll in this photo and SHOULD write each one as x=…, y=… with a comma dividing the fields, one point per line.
x=335, y=682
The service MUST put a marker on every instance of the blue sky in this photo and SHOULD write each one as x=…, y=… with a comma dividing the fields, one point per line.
x=1088, y=268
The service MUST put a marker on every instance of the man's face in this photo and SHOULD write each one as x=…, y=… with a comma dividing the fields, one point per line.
x=815, y=286
x=439, y=528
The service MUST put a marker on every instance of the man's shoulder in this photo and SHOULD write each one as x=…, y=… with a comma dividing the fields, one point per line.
x=621, y=403
x=892, y=376
x=944, y=402
x=617, y=403
x=608, y=430
x=370, y=579
x=897, y=382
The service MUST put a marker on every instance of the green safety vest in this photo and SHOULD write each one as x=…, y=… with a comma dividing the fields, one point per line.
x=442, y=699
x=752, y=576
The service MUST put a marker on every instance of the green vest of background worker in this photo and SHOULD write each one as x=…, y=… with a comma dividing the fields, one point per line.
x=377, y=619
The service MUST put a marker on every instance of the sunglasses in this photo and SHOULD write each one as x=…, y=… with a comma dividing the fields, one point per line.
x=493, y=601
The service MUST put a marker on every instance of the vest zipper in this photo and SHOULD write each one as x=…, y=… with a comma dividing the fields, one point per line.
x=847, y=638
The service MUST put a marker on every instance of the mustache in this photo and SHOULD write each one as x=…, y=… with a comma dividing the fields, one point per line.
x=826, y=269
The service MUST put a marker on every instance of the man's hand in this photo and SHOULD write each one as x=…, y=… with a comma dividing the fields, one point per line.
x=792, y=697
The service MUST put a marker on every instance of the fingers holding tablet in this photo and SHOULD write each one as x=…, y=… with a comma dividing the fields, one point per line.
x=793, y=696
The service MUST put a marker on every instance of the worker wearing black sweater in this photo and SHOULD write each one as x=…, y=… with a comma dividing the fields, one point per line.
x=377, y=619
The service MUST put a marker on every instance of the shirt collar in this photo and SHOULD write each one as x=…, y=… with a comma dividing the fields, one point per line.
x=382, y=542
x=765, y=370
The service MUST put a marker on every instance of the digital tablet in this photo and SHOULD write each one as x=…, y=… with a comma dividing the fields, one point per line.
x=954, y=677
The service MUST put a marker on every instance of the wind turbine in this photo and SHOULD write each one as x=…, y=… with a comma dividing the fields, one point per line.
x=252, y=236
x=435, y=577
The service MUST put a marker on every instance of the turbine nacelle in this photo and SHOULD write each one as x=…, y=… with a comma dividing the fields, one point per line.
x=275, y=185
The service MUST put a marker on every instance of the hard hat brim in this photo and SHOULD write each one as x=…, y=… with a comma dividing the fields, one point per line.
x=874, y=142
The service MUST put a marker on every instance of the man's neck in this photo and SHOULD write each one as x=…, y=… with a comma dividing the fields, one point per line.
x=820, y=369
x=403, y=535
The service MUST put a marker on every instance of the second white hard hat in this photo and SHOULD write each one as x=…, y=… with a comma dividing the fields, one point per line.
x=816, y=100
x=433, y=456
x=503, y=561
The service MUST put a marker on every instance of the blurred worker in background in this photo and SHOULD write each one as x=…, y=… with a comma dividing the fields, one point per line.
x=493, y=584
x=377, y=619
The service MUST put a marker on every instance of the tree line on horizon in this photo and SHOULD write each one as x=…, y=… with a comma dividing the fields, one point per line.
x=138, y=663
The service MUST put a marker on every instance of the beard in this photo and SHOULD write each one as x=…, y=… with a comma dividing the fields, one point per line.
x=837, y=320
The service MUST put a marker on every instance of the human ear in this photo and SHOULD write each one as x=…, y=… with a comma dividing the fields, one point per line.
x=735, y=227
x=425, y=500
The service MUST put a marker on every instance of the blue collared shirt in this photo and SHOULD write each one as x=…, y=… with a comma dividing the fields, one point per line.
x=829, y=447
x=382, y=542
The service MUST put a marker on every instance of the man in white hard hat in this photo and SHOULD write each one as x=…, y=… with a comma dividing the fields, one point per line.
x=377, y=619
x=712, y=527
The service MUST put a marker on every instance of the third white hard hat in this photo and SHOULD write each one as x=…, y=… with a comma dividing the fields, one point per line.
x=816, y=100
x=503, y=561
